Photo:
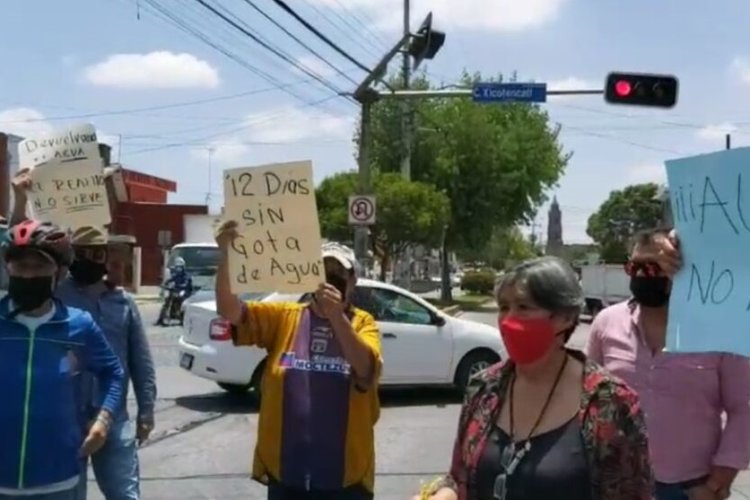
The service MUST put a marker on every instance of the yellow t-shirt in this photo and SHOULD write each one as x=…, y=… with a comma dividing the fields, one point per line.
x=317, y=417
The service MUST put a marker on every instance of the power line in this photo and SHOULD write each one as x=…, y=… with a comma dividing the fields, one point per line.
x=270, y=48
x=356, y=39
x=161, y=12
x=226, y=132
x=316, y=32
x=158, y=107
x=300, y=42
x=358, y=21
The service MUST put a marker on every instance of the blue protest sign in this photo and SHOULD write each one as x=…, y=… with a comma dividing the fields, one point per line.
x=709, y=309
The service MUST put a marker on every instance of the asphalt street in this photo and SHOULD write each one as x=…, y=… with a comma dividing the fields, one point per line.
x=202, y=446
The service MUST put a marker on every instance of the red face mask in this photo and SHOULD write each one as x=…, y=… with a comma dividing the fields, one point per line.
x=527, y=339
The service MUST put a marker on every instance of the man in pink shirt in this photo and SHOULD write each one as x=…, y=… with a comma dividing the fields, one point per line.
x=683, y=395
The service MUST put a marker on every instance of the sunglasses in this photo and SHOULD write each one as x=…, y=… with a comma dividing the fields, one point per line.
x=643, y=268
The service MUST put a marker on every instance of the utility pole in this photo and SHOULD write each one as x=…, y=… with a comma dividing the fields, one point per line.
x=728, y=141
x=406, y=129
x=208, y=192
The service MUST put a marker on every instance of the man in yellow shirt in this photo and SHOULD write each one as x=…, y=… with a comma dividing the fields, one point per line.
x=320, y=385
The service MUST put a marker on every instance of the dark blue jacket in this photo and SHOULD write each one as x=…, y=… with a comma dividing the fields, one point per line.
x=41, y=405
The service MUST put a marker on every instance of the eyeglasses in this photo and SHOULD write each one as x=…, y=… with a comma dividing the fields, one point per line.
x=643, y=268
x=509, y=460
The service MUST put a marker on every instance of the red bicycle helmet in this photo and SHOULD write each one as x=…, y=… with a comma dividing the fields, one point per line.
x=43, y=237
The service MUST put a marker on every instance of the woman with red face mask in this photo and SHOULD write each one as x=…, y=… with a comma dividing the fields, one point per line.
x=546, y=423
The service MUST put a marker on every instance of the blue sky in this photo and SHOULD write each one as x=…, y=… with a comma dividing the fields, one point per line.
x=95, y=57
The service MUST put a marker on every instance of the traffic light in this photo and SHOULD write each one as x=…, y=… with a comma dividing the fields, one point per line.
x=426, y=42
x=639, y=89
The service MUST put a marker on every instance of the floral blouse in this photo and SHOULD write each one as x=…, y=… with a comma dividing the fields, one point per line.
x=612, y=428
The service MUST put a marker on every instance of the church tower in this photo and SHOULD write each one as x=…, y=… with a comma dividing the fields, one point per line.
x=554, y=230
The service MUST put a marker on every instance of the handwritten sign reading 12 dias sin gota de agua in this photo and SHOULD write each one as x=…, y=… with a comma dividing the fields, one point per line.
x=70, y=194
x=278, y=249
x=709, y=308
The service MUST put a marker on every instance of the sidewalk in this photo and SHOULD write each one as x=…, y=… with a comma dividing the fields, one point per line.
x=741, y=489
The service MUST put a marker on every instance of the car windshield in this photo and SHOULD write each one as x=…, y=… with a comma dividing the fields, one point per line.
x=196, y=258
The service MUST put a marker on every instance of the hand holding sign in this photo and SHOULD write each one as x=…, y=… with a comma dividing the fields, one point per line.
x=277, y=245
x=710, y=301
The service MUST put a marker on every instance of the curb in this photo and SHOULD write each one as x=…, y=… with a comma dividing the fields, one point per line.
x=452, y=310
x=147, y=299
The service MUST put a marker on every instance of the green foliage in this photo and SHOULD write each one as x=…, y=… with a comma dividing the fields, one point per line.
x=480, y=282
x=408, y=213
x=494, y=162
x=621, y=216
x=506, y=247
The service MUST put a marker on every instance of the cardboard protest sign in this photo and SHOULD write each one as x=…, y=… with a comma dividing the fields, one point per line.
x=70, y=194
x=709, y=307
x=75, y=143
x=279, y=245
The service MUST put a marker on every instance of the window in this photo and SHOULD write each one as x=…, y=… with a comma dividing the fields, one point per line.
x=390, y=306
x=198, y=260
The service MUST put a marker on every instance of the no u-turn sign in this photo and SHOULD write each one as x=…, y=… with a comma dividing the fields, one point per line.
x=362, y=210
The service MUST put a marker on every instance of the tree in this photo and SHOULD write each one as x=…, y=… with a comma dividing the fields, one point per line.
x=623, y=214
x=506, y=247
x=494, y=162
x=408, y=213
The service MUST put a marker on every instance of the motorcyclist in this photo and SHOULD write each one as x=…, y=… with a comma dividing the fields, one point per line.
x=179, y=281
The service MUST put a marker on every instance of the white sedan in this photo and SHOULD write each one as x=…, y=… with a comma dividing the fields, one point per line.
x=421, y=344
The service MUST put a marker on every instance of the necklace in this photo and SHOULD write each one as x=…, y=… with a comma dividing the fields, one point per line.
x=513, y=454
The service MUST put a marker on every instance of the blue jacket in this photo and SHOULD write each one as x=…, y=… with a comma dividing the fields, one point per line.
x=116, y=313
x=41, y=415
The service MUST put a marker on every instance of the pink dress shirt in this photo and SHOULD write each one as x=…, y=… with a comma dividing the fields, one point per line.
x=682, y=395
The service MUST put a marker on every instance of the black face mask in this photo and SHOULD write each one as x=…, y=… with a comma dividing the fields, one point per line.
x=28, y=294
x=650, y=291
x=87, y=272
x=339, y=282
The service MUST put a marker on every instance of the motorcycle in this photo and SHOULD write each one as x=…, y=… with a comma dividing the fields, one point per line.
x=171, y=309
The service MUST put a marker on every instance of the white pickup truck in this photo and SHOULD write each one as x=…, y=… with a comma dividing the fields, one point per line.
x=604, y=285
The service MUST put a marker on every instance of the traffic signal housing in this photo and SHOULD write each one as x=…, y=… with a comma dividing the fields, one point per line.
x=426, y=43
x=641, y=89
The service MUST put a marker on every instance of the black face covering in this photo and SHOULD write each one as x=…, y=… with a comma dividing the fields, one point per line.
x=650, y=291
x=28, y=294
x=339, y=282
x=87, y=272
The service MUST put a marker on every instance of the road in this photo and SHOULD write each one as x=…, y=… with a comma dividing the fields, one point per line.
x=204, y=439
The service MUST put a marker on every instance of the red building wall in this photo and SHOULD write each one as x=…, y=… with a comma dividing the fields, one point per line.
x=146, y=188
x=144, y=221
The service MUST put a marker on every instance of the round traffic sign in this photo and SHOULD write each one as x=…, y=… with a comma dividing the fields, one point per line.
x=362, y=209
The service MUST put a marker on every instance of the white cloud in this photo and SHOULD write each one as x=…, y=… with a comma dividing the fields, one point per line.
x=740, y=67
x=646, y=172
x=155, y=70
x=494, y=15
x=315, y=65
x=24, y=122
x=716, y=132
x=286, y=124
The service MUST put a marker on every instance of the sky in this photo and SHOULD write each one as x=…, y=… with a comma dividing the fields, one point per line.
x=180, y=93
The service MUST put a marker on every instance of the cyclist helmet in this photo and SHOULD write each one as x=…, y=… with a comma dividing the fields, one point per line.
x=179, y=262
x=43, y=237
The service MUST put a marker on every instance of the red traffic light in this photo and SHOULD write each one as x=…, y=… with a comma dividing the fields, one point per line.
x=641, y=89
x=623, y=88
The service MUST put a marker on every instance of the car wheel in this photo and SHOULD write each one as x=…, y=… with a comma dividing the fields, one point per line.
x=234, y=389
x=254, y=384
x=473, y=363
